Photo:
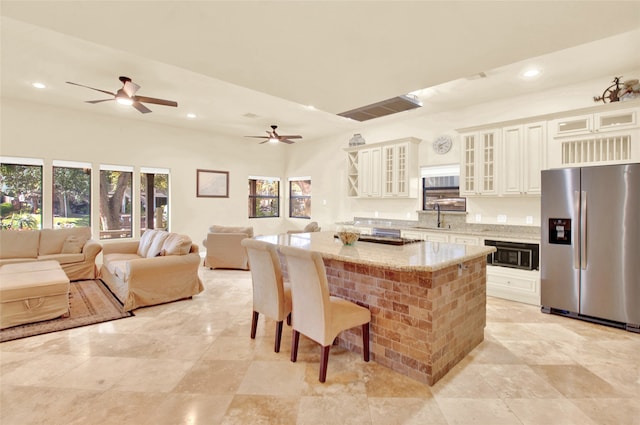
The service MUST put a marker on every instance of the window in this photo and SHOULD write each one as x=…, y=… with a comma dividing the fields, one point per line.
x=115, y=202
x=21, y=193
x=441, y=185
x=71, y=201
x=300, y=197
x=154, y=209
x=264, y=197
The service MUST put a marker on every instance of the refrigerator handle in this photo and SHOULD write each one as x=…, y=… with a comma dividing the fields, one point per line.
x=578, y=237
x=583, y=231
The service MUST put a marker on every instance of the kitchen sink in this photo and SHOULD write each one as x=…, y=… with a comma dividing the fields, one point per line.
x=431, y=228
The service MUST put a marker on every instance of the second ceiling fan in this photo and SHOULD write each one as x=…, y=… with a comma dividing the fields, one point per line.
x=127, y=96
x=274, y=137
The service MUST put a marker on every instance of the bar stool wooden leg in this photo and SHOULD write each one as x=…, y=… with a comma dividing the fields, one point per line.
x=254, y=324
x=365, y=341
x=278, y=336
x=324, y=361
x=295, y=336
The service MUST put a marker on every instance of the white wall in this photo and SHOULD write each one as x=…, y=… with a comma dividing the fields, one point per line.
x=38, y=131
x=325, y=160
x=30, y=130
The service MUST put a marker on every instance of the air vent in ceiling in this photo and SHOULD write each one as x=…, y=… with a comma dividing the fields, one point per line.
x=477, y=76
x=380, y=109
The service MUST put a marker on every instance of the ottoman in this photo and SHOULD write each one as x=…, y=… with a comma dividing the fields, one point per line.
x=32, y=292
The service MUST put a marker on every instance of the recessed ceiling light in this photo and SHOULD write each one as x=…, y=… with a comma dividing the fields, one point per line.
x=531, y=73
x=191, y=116
x=310, y=107
x=39, y=85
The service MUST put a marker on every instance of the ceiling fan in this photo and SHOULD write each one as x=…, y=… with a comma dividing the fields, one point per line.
x=274, y=137
x=127, y=96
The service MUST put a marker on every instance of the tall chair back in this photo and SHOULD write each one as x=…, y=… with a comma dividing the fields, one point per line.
x=310, y=295
x=271, y=296
x=316, y=314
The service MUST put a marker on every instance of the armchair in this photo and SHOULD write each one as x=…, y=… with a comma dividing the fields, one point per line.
x=224, y=250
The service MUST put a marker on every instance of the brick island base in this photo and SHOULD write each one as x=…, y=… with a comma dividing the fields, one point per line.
x=422, y=323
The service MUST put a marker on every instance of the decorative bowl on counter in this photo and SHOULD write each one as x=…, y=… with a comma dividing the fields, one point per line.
x=348, y=237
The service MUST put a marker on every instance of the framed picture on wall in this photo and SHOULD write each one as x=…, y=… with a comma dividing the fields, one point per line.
x=212, y=184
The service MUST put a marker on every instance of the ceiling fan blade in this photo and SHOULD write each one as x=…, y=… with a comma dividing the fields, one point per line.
x=130, y=88
x=287, y=141
x=140, y=107
x=263, y=142
x=291, y=137
x=258, y=137
x=98, y=101
x=92, y=88
x=154, y=101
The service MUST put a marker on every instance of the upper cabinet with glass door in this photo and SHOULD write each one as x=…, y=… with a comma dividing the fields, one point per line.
x=597, y=122
x=604, y=134
x=384, y=170
x=479, y=168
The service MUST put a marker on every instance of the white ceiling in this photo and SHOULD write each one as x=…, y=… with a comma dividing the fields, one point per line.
x=226, y=60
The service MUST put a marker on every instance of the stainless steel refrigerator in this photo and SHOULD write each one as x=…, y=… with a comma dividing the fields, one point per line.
x=590, y=244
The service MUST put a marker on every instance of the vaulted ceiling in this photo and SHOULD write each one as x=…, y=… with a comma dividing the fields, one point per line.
x=243, y=65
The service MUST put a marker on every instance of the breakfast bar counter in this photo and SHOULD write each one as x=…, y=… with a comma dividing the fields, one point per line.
x=427, y=299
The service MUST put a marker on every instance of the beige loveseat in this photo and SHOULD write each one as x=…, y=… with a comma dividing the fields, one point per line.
x=160, y=268
x=72, y=248
x=224, y=250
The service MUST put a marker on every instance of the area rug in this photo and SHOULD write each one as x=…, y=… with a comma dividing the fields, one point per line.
x=90, y=302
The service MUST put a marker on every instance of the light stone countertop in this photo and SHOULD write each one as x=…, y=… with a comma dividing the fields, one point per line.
x=487, y=231
x=418, y=256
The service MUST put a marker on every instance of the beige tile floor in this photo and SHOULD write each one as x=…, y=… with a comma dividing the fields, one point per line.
x=192, y=362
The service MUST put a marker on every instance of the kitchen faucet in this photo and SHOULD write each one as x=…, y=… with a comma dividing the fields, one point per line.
x=436, y=207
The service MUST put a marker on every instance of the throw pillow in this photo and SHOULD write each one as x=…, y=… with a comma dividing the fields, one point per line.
x=177, y=244
x=156, y=244
x=146, y=240
x=72, y=245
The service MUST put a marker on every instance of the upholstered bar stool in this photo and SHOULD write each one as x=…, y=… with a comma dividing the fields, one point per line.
x=271, y=296
x=316, y=314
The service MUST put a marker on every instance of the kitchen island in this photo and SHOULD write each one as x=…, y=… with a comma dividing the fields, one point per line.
x=427, y=299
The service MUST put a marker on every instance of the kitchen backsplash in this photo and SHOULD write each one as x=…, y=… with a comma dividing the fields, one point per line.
x=453, y=221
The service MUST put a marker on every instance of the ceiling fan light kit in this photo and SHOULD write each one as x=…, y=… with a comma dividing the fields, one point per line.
x=273, y=137
x=124, y=100
x=127, y=96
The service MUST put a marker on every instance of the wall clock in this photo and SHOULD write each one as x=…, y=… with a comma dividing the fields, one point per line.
x=442, y=144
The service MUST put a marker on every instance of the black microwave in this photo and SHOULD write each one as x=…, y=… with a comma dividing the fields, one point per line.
x=517, y=255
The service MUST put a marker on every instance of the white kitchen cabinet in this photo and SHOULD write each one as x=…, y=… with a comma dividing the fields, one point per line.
x=598, y=138
x=522, y=158
x=479, y=163
x=514, y=284
x=425, y=235
x=410, y=234
x=596, y=122
x=369, y=179
x=395, y=174
x=384, y=170
x=436, y=237
x=464, y=239
x=598, y=135
x=352, y=174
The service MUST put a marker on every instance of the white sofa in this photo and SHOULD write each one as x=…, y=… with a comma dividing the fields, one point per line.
x=161, y=267
x=72, y=248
